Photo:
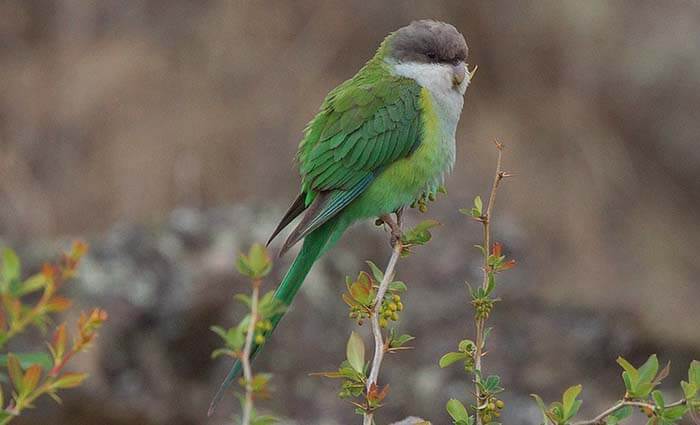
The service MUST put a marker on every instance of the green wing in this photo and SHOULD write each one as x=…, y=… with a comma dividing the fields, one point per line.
x=364, y=125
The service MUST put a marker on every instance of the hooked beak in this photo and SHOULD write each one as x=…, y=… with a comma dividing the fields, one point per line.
x=459, y=73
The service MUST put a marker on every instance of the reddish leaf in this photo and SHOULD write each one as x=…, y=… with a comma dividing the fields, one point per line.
x=507, y=265
x=31, y=378
x=497, y=249
x=57, y=304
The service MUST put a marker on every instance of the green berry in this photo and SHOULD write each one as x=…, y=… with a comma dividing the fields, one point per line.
x=394, y=316
x=500, y=404
x=259, y=339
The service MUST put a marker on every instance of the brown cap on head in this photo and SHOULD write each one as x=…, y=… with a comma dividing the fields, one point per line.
x=428, y=41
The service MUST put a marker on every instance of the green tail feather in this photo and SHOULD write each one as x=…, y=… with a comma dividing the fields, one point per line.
x=315, y=244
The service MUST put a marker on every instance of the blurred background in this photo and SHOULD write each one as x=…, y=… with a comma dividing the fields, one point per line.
x=163, y=132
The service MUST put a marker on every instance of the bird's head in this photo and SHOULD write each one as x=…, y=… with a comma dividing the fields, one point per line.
x=428, y=49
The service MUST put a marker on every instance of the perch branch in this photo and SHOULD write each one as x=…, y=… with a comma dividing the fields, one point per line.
x=620, y=404
x=245, y=356
x=480, y=322
x=379, y=345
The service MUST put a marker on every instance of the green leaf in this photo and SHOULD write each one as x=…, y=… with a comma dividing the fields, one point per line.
x=396, y=341
x=569, y=400
x=658, y=399
x=491, y=283
x=450, y=358
x=649, y=369
x=626, y=379
x=466, y=345
x=675, y=413
x=543, y=409
x=28, y=359
x=15, y=371
x=221, y=352
x=492, y=384
x=69, y=380
x=619, y=415
x=259, y=260
x=10, y=266
x=243, y=266
x=689, y=390
x=397, y=286
x=631, y=371
x=376, y=271
x=478, y=204
x=244, y=298
x=34, y=283
x=694, y=373
x=356, y=352
x=264, y=420
x=643, y=389
x=457, y=411
x=420, y=234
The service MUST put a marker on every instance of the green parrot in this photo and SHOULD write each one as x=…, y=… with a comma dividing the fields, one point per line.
x=381, y=140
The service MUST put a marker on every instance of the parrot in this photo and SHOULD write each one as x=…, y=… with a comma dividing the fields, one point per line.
x=381, y=141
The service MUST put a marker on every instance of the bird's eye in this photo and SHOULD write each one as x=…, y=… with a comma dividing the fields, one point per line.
x=432, y=56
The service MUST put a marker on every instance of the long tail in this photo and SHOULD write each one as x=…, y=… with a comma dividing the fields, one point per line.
x=315, y=244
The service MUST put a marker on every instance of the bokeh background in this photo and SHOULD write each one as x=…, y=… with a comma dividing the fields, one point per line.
x=163, y=133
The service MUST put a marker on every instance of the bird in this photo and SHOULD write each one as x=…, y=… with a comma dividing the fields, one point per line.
x=380, y=141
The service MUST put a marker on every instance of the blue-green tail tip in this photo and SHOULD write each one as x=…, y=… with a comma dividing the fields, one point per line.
x=232, y=375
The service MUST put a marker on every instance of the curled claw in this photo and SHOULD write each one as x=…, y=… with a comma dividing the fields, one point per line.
x=394, y=227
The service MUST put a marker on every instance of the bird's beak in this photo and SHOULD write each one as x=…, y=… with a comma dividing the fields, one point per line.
x=459, y=73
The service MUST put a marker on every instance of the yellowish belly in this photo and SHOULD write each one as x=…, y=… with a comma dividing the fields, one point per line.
x=407, y=179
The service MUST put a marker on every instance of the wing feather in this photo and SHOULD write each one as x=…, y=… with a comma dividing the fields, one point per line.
x=364, y=125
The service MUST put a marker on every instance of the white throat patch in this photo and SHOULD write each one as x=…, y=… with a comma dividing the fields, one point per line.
x=437, y=79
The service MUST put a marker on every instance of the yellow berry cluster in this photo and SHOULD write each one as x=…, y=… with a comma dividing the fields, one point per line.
x=422, y=201
x=492, y=410
x=262, y=327
x=391, y=306
x=359, y=313
x=482, y=307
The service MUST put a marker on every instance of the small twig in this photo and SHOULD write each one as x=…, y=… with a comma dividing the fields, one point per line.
x=245, y=356
x=379, y=345
x=480, y=322
x=620, y=404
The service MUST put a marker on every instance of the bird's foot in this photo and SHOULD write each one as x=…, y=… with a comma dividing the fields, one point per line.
x=394, y=227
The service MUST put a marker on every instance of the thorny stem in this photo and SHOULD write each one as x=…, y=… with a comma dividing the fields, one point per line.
x=480, y=322
x=620, y=404
x=379, y=344
x=245, y=356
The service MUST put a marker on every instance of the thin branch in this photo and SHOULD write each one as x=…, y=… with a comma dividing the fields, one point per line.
x=480, y=322
x=379, y=345
x=620, y=404
x=245, y=356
